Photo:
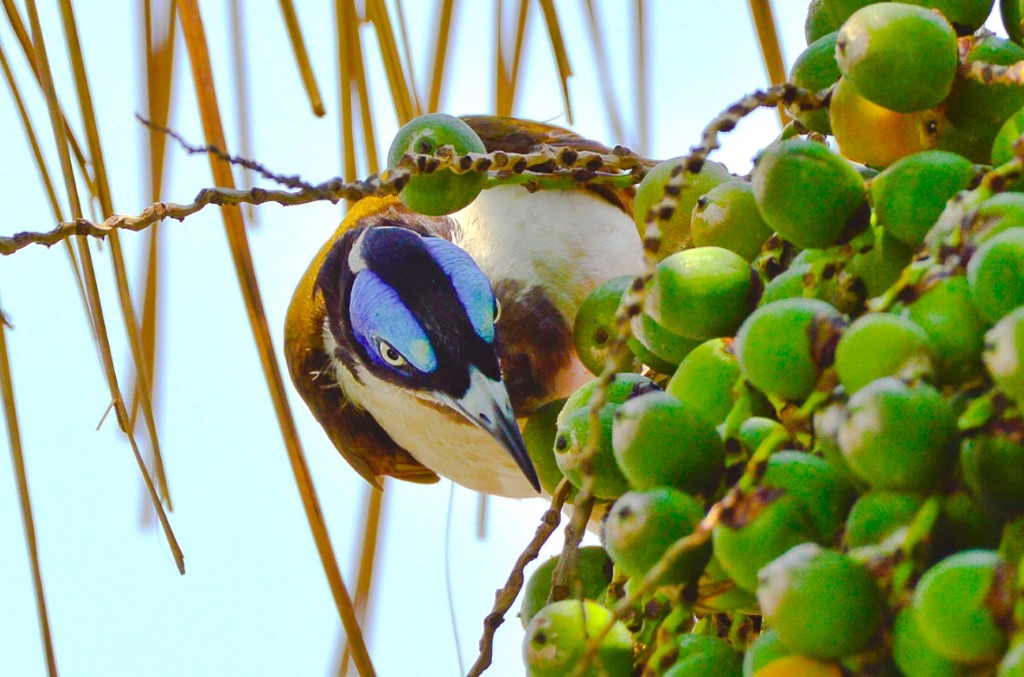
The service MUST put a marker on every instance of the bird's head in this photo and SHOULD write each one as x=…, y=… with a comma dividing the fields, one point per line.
x=415, y=310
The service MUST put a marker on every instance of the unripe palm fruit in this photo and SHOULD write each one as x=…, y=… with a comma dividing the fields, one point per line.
x=998, y=214
x=899, y=437
x=594, y=568
x=557, y=637
x=964, y=523
x=881, y=266
x=818, y=22
x=666, y=345
x=993, y=465
x=881, y=344
x=594, y=326
x=910, y=195
x=727, y=216
x=996, y=275
x=966, y=16
x=622, y=387
x=642, y=525
x=898, y=56
x=570, y=441
x=822, y=603
x=955, y=330
x=675, y=235
x=841, y=10
x=976, y=110
x=702, y=293
x=815, y=69
x=659, y=441
x=1004, y=346
x=443, y=191
x=806, y=193
x=876, y=136
x=539, y=436
x=960, y=603
x=1006, y=138
x=825, y=492
x=783, y=347
x=700, y=655
x=706, y=377
x=914, y=656
x=1011, y=13
x=765, y=523
x=876, y=515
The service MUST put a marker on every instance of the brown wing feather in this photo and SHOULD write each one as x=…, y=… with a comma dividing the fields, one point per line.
x=355, y=433
x=515, y=135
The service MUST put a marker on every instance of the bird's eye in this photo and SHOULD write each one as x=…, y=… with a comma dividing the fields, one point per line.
x=390, y=355
x=497, y=311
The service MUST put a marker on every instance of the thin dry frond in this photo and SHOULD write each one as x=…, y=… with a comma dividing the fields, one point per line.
x=199, y=57
x=372, y=512
x=561, y=55
x=24, y=501
x=291, y=21
x=116, y=253
x=641, y=92
x=604, y=73
x=437, y=69
x=377, y=13
x=58, y=127
x=771, y=50
x=44, y=175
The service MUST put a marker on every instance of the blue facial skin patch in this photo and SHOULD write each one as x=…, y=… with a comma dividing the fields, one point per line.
x=378, y=314
x=472, y=287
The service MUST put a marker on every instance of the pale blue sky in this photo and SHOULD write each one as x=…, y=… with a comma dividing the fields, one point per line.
x=255, y=600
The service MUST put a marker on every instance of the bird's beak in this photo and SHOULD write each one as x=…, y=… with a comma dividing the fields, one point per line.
x=486, y=404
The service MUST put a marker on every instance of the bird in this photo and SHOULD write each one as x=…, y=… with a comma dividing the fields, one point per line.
x=418, y=342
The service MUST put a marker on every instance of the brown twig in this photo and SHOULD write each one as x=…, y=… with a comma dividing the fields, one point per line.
x=993, y=74
x=507, y=595
x=563, y=167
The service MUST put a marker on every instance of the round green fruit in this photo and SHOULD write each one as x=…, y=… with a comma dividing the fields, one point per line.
x=881, y=266
x=539, y=435
x=807, y=193
x=661, y=442
x=966, y=16
x=818, y=22
x=955, y=331
x=706, y=378
x=1011, y=13
x=570, y=441
x=815, y=69
x=557, y=637
x=996, y=275
x=899, y=437
x=594, y=326
x=700, y=655
x=876, y=515
x=826, y=493
x=766, y=523
x=914, y=656
x=702, y=293
x=959, y=605
x=822, y=603
x=622, y=387
x=443, y=191
x=595, y=573
x=911, y=193
x=993, y=466
x=898, y=56
x=881, y=344
x=675, y=234
x=667, y=346
x=998, y=214
x=1006, y=138
x=964, y=523
x=643, y=525
x=784, y=346
x=841, y=10
x=727, y=216
x=976, y=110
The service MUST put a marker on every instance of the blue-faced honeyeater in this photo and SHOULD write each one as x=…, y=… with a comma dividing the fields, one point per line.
x=417, y=340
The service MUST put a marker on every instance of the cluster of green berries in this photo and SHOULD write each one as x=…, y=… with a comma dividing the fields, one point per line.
x=824, y=391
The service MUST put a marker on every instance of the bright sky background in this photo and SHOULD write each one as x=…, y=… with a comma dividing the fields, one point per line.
x=255, y=600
